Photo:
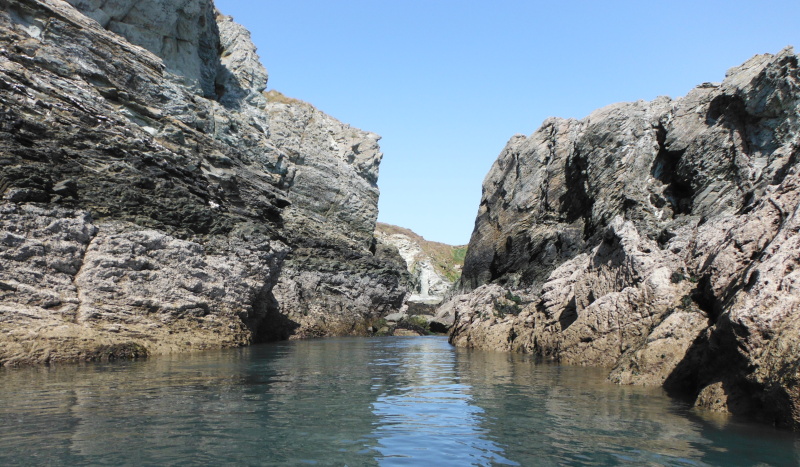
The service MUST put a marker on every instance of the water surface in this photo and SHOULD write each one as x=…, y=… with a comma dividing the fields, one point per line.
x=383, y=401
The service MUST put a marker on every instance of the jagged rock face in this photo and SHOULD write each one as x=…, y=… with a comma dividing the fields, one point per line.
x=70, y=288
x=320, y=287
x=646, y=161
x=331, y=174
x=240, y=74
x=182, y=32
x=177, y=174
x=334, y=281
x=655, y=238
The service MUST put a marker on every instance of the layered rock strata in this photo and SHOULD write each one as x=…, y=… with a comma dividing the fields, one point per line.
x=152, y=195
x=658, y=239
x=336, y=280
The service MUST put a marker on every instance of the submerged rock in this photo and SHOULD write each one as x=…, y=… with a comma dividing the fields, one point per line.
x=153, y=196
x=657, y=239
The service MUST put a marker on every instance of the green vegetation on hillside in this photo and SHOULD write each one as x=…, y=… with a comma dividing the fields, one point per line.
x=277, y=96
x=447, y=259
x=459, y=253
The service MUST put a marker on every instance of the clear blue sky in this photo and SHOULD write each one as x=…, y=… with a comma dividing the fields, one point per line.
x=447, y=83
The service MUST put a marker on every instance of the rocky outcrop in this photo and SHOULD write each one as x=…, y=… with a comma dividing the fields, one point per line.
x=331, y=174
x=657, y=239
x=325, y=290
x=153, y=196
x=72, y=289
x=182, y=32
x=335, y=281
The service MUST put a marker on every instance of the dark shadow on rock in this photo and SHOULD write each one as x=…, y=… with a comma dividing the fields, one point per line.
x=269, y=324
x=438, y=327
x=610, y=252
x=714, y=359
x=421, y=308
x=569, y=315
x=667, y=169
x=576, y=201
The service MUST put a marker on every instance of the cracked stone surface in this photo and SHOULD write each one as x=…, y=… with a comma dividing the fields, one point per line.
x=153, y=194
x=66, y=282
x=657, y=239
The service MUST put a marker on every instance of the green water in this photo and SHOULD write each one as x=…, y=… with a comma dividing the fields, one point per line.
x=385, y=401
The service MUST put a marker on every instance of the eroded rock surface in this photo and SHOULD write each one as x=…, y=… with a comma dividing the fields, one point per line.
x=71, y=287
x=326, y=291
x=657, y=239
x=152, y=193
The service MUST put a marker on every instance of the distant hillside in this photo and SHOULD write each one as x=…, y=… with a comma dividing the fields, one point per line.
x=447, y=260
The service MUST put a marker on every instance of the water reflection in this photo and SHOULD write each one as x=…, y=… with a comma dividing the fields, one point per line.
x=425, y=413
x=393, y=401
x=269, y=405
x=564, y=415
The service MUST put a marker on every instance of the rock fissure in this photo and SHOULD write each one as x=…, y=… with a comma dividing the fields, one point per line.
x=79, y=293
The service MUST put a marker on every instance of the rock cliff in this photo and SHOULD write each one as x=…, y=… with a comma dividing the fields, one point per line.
x=658, y=239
x=154, y=199
x=336, y=280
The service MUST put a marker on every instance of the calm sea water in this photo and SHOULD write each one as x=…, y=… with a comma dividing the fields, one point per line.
x=384, y=401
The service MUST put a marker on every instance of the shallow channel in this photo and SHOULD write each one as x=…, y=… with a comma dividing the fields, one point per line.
x=360, y=401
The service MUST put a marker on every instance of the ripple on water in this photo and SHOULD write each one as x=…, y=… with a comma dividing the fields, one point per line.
x=389, y=401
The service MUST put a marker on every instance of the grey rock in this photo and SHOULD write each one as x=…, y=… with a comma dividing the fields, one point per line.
x=66, y=188
x=240, y=74
x=395, y=317
x=655, y=239
x=144, y=124
x=443, y=319
x=324, y=292
x=330, y=172
x=182, y=32
x=73, y=287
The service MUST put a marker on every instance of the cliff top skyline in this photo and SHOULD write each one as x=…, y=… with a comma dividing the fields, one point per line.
x=447, y=83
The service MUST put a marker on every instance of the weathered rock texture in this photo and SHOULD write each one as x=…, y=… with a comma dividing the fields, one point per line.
x=151, y=194
x=336, y=280
x=659, y=239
